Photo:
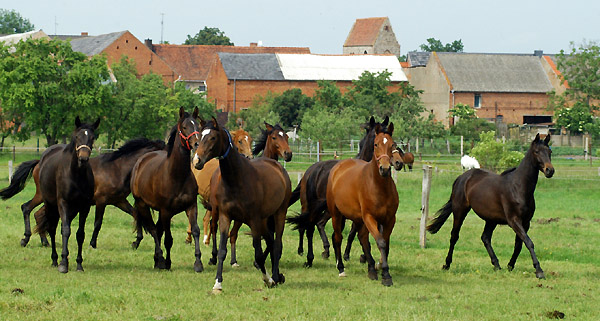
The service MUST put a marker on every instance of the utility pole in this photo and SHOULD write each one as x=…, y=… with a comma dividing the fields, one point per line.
x=162, y=24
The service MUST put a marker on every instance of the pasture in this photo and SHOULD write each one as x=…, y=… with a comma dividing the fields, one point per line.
x=120, y=283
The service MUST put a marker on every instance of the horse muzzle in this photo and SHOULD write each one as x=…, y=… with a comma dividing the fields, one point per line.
x=83, y=153
x=385, y=171
x=548, y=171
x=398, y=165
x=287, y=156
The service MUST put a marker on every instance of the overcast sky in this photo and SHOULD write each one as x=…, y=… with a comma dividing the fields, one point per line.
x=322, y=25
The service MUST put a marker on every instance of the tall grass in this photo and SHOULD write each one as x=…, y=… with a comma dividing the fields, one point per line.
x=120, y=283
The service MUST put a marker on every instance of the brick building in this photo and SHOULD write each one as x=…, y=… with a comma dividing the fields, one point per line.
x=509, y=88
x=235, y=79
x=117, y=44
x=372, y=36
x=192, y=63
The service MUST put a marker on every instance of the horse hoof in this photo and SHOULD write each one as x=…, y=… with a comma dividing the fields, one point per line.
x=235, y=265
x=198, y=267
x=93, y=244
x=540, y=275
x=363, y=258
x=307, y=265
x=24, y=242
x=216, y=291
x=445, y=267
x=135, y=245
x=342, y=275
x=45, y=243
x=497, y=268
x=325, y=254
x=188, y=241
x=373, y=275
x=346, y=257
x=270, y=283
x=300, y=252
x=387, y=281
x=281, y=278
x=54, y=263
x=63, y=268
x=510, y=267
x=79, y=268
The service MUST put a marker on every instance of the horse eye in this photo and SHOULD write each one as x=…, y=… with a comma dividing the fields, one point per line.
x=274, y=137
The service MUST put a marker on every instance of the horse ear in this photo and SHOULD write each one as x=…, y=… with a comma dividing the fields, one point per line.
x=390, y=129
x=181, y=112
x=385, y=121
x=77, y=122
x=547, y=139
x=269, y=126
x=96, y=124
x=372, y=122
x=215, y=123
x=195, y=114
x=537, y=138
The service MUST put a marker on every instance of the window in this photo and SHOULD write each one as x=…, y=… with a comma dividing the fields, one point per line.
x=477, y=102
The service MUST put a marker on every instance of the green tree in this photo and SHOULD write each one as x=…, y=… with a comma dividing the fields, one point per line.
x=370, y=92
x=436, y=45
x=494, y=155
x=254, y=117
x=468, y=125
x=45, y=84
x=209, y=36
x=290, y=106
x=328, y=95
x=330, y=125
x=12, y=22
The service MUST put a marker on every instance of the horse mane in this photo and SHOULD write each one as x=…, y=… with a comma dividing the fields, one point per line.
x=172, y=135
x=508, y=171
x=132, y=146
x=261, y=142
x=368, y=140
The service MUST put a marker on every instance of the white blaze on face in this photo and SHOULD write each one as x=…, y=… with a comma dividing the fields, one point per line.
x=246, y=138
x=281, y=134
x=85, y=132
x=384, y=140
x=205, y=132
x=195, y=160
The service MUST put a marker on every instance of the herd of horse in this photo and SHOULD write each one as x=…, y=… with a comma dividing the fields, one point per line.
x=235, y=186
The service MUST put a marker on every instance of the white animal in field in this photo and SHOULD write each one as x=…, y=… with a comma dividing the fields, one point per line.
x=293, y=135
x=469, y=162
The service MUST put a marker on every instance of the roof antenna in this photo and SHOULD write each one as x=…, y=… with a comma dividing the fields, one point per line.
x=162, y=19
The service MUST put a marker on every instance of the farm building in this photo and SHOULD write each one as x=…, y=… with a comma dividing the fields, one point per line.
x=508, y=88
x=372, y=36
x=235, y=79
x=192, y=63
x=117, y=44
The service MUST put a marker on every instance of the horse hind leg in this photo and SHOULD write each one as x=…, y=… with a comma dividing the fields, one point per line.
x=26, y=208
x=486, y=238
x=100, y=209
x=521, y=231
x=301, y=241
x=310, y=256
x=321, y=228
x=233, y=236
x=459, y=217
x=351, y=237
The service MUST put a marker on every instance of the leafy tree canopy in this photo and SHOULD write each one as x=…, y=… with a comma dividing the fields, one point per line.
x=495, y=155
x=436, y=45
x=290, y=106
x=12, y=22
x=209, y=36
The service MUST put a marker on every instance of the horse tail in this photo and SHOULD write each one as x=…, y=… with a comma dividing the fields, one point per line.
x=42, y=224
x=440, y=217
x=19, y=178
x=299, y=222
x=295, y=195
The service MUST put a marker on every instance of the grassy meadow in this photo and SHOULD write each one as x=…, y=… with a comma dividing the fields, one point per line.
x=120, y=283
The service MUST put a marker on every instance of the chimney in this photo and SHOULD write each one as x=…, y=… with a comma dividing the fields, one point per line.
x=538, y=53
x=148, y=43
x=253, y=44
x=84, y=34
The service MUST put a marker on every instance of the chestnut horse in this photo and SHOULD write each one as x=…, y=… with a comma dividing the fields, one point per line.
x=507, y=198
x=163, y=180
x=311, y=191
x=67, y=189
x=408, y=158
x=365, y=193
x=243, y=142
x=253, y=192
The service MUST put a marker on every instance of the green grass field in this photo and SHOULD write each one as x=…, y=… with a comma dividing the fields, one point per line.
x=121, y=284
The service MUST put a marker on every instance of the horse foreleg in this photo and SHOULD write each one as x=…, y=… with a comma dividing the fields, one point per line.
x=386, y=278
x=516, y=252
x=521, y=232
x=363, y=237
x=233, y=236
x=279, y=220
x=321, y=228
x=486, y=238
x=81, y=236
x=337, y=223
x=224, y=224
x=165, y=222
x=206, y=223
x=301, y=241
x=65, y=217
x=459, y=218
x=213, y=231
x=100, y=208
x=192, y=214
x=52, y=224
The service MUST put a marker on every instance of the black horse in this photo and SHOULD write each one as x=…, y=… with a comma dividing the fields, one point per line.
x=498, y=199
x=67, y=189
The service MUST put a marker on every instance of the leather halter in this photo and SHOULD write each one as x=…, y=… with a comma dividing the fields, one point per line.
x=185, y=138
x=381, y=156
x=83, y=146
x=228, y=146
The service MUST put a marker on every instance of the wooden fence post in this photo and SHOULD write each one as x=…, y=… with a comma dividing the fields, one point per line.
x=10, y=171
x=427, y=171
x=461, y=147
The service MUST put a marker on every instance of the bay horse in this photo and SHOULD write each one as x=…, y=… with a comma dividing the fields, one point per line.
x=163, y=180
x=312, y=188
x=111, y=183
x=253, y=192
x=67, y=189
x=507, y=198
x=408, y=158
x=243, y=142
x=365, y=193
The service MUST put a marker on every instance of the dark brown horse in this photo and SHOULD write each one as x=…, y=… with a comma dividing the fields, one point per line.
x=67, y=189
x=312, y=188
x=111, y=177
x=408, y=159
x=163, y=180
x=507, y=198
x=253, y=192
x=365, y=193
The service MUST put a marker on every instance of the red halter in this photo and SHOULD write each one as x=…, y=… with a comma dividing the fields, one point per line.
x=186, y=139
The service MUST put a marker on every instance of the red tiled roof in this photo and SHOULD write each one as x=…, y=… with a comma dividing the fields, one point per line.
x=193, y=62
x=556, y=71
x=364, y=32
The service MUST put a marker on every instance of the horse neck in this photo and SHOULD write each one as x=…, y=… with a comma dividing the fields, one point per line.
x=526, y=173
x=232, y=166
x=179, y=160
x=269, y=152
x=372, y=173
